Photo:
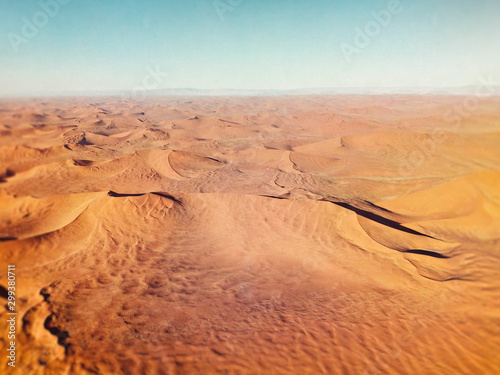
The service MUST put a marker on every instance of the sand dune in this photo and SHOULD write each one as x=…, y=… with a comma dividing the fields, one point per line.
x=260, y=235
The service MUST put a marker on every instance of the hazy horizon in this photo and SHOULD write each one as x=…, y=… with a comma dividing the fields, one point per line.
x=491, y=90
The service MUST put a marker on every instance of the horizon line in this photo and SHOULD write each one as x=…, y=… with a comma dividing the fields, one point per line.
x=186, y=91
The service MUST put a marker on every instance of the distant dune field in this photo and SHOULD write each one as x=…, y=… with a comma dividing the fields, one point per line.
x=252, y=235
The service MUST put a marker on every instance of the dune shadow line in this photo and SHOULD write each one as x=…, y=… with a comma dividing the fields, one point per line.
x=380, y=219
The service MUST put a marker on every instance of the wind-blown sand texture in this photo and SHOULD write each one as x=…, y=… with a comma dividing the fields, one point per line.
x=252, y=235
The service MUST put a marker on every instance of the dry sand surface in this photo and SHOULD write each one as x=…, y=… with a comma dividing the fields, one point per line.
x=252, y=235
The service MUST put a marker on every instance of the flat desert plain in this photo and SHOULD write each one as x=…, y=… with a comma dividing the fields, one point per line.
x=252, y=235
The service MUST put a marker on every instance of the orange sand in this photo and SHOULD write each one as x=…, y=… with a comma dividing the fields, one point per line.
x=273, y=235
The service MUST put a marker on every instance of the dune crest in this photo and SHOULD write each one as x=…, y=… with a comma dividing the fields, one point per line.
x=347, y=234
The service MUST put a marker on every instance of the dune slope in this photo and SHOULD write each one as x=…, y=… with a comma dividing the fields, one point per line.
x=275, y=235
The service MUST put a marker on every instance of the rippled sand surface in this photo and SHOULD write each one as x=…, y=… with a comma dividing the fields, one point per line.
x=271, y=235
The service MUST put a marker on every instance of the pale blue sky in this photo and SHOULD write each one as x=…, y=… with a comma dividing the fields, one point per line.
x=283, y=44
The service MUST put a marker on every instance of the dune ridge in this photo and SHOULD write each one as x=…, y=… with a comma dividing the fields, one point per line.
x=250, y=235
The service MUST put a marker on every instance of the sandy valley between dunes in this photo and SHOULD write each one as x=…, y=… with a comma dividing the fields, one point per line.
x=252, y=235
